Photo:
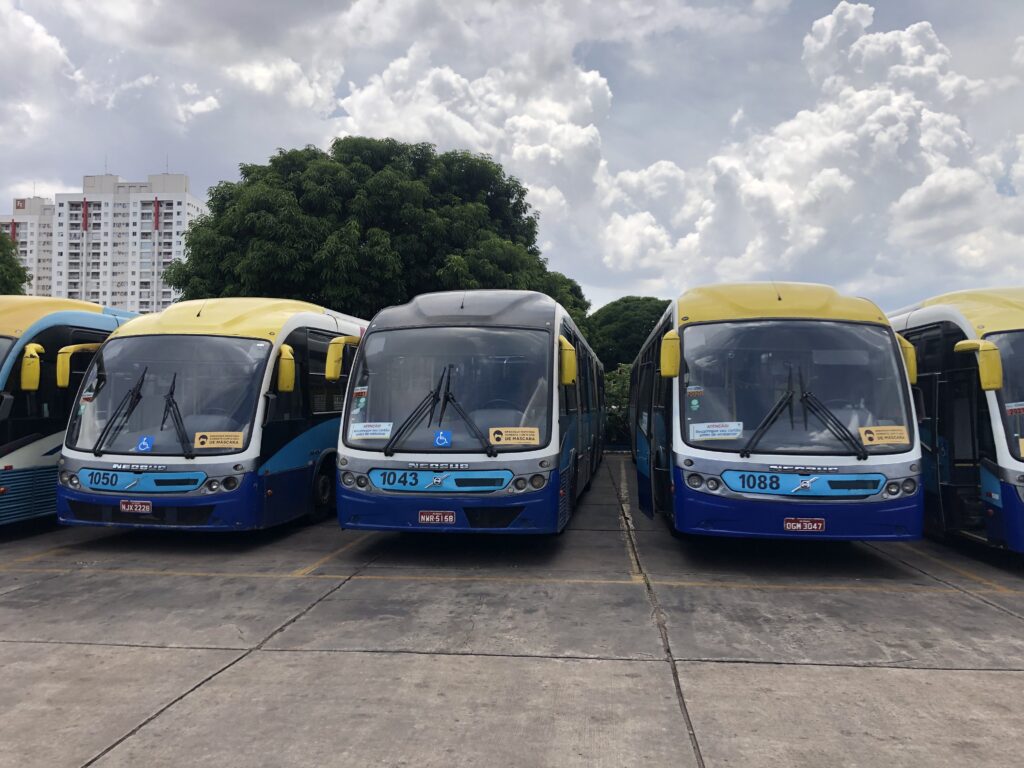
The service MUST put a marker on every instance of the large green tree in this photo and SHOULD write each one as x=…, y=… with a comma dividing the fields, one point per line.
x=616, y=387
x=369, y=223
x=13, y=276
x=617, y=330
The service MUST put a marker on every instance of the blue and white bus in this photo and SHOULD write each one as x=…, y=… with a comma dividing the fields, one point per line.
x=777, y=410
x=470, y=411
x=212, y=415
x=41, y=340
x=970, y=349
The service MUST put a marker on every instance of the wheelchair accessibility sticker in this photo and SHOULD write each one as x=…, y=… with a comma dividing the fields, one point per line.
x=442, y=439
x=145, y=444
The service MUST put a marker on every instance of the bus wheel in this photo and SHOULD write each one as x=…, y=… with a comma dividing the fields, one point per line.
x=323, y=495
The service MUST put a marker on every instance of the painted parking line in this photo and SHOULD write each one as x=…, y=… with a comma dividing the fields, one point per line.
x=327, y=558
x=7, y=564
x=966, y=573
x=796, y=587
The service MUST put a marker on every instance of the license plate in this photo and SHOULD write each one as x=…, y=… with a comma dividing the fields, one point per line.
x=804, y=524
x=433, y=517
x=137, y=507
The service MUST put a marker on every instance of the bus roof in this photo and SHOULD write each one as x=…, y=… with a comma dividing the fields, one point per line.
x=750, y=301
x=18, y=313
x=243, y=317
x=988, y=310
x=525, y=309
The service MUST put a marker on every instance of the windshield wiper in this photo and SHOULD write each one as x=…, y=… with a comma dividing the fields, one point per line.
x=786, y=400
x=426, y=405
x=449, y=397
x=171, y=409
x=119, y=418
x=834, y=425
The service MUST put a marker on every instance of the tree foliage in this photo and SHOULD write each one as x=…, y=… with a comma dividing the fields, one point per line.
x=616, y=389
x=367, y=224
x=13, y=276
x=618, y=330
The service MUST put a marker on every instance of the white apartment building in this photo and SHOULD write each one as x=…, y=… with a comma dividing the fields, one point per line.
x=109, y=243
x=31, y=228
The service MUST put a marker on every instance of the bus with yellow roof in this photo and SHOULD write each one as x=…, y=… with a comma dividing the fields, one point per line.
x=970, y=350
x=777, y=410
x=211, y=415
x=41, y=339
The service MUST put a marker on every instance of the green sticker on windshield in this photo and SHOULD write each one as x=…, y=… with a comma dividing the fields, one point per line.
x=695, y=404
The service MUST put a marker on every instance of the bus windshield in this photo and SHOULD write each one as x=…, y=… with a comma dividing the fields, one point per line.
x=500, y=378
x=1011, y=350
x=170, y=396
x=794, y=387
x=6, y=343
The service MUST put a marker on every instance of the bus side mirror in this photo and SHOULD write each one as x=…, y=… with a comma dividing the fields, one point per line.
x=336, y=356
x=566, y=362
x=990, y=364
x=286, y=369
x=64, y=361
x=669, y=362
x=918, y=396
x=30, y=367
x=909, y=358
x=6, y=404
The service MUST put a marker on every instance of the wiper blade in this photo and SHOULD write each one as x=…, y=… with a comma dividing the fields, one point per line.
x=449, y=397
x=119, y=418
x=171, y=409
x=427, y=404
x=786, y=400
x=834, y=425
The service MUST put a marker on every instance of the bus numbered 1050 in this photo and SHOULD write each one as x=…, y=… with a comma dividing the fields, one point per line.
x=777, y=410
x=212, y=415
x=470, y=411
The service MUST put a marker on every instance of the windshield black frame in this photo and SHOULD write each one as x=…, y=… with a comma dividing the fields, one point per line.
x=795, y=410
x=472, y=446
x=155, y=390
x=1016, y=388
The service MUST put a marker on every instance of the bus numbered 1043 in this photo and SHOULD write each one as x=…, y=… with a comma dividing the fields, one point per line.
x=212, y=415
x=777, y=410
x=42, y=341
x=470, y=411
x=970, y=350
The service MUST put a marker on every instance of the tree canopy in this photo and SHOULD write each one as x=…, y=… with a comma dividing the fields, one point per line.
x=618, y=330
x=13, y=276
x=367, y=224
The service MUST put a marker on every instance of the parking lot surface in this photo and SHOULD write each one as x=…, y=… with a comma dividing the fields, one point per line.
x=612, y=644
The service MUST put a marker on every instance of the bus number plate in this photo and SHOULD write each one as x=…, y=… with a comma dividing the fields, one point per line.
x=804, y=524
x=137, y=507
x=434, y=517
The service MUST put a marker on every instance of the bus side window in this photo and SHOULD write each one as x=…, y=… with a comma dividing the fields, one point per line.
x=643, y=400
x=326, y=397
x=570, y=392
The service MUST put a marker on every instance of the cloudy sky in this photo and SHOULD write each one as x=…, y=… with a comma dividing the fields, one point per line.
x=665, y=143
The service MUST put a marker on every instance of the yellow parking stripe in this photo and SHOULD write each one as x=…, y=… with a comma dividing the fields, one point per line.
x=327, y=558
x=993, y=585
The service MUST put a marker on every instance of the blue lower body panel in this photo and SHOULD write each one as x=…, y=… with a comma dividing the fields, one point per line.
x=529, y=512
x=27, y=493
x=899, y=519
x=244, y=508
x=1005, y=525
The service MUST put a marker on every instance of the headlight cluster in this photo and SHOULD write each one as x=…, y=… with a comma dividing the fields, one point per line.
x=696, y=481
x=69, y=479
x=348, y=479
x=906, y=487
x=215, y=484
x=524, y=482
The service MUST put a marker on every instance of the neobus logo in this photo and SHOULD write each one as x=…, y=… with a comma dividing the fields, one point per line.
x=139, y=467
x=437, y=466
x=800, y=470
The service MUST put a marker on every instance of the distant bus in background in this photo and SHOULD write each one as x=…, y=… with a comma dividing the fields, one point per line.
x=41, y=339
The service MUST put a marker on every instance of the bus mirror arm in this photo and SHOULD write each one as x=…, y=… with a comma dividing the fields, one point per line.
x=6, y=404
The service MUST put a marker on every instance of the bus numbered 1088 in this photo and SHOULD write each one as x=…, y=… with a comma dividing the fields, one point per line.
x=470, y=411
x=42, y=341
x=777, y=410
x=212, y=415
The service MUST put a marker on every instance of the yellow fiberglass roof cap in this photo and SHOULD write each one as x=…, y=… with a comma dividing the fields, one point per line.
x=988, y=310
x=774, y=300
x=17, y=313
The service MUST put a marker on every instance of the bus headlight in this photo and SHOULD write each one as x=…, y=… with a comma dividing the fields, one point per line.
x=519, y=483
x=892, y=488
x=213, y=485
x=712, y=484
x=230, y=483
x=347, y=478
x=73, y=481
x=63, y=477
x=694, y=481
x=362, y=481
x=537, y=481
x=909, y=486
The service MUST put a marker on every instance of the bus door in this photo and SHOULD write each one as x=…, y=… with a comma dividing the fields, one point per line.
x=642, y=430
x=661, y=443
x=960, y=407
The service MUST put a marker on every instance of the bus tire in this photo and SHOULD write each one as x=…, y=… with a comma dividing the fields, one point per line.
x=323, y=495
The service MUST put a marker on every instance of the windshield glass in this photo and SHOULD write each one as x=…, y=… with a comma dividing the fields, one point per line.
x=216, y=388
x=1011, y=396
x=737, y=372
x=500, y=376
x=5, y=346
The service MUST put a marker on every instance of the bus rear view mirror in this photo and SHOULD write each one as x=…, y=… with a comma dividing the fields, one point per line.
x=64, y=362
x=909, y=358
x=6, y=404
x=30, y=367
x=286, y=369
x=566, y=362
x=336, y=356
x=669, y=362
x=990, y=364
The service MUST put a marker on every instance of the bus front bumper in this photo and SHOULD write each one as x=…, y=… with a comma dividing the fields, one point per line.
x=696, y=512
x=237, y=510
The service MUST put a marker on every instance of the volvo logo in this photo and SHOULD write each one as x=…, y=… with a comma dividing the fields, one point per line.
x=804, y=485
x=438, y=466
